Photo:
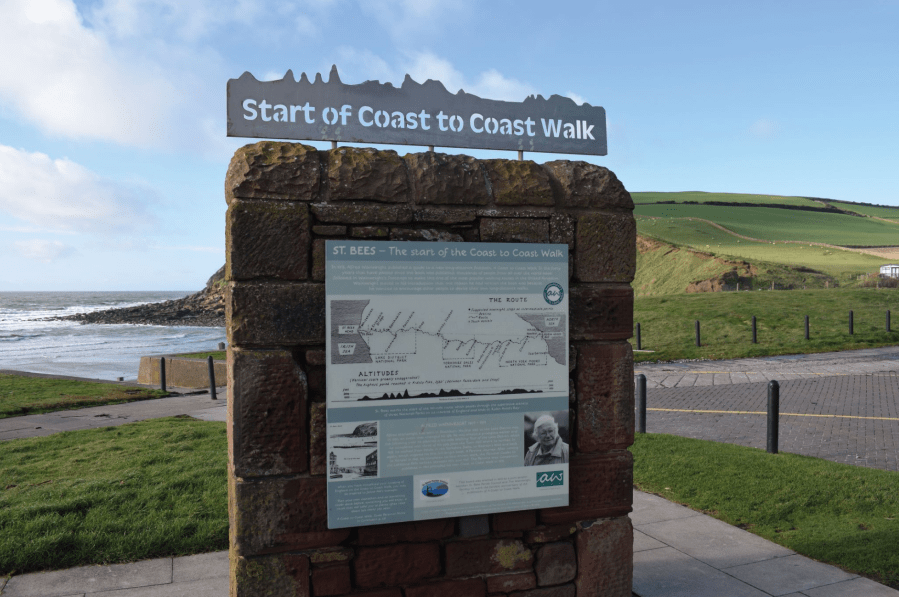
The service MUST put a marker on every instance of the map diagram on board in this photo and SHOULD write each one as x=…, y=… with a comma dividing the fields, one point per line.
x=433, y=350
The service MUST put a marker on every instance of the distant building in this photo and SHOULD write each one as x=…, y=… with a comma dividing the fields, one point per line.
x=371, y=464
x=889, y=271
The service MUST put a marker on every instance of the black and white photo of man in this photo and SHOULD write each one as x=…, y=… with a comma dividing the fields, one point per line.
x=548, y=447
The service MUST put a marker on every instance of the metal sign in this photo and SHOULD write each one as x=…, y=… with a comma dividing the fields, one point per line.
x=412, y=114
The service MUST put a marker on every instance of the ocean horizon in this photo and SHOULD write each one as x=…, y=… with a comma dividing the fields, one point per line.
x=28, y=342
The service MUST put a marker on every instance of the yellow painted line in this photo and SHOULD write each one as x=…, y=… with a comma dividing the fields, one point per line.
x=751, y=412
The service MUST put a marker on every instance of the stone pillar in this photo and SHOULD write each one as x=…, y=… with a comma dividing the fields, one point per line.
x=284, y=201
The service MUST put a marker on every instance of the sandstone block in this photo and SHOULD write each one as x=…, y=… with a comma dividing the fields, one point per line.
x=468, y=558
x=556, y=564
x=268, y=413
x=276, y=514
x=581, y=184
x=326, y=230
x=274, y=170
x=315, y=357
x=424, y=234
x=601, y=312
x=318, y=461
x=439, y=215
x=279, y=574
x=370, y=232
x=605, y=558
x=330, y=556
x=367, y=173
x=473, y=587
x=270, y=314
x=400, y=532
x=515, y=521
x=600, y=486
x=400, y=564
x=444, y=179
x=606, y=248
x=605, y=387
x=318, y=260
x=395, y=592
x=331, y=581
x=267, y=239
x=511, y=230
x=362, y=214
x=506, y=583
x=519, y=183
x=548, y=534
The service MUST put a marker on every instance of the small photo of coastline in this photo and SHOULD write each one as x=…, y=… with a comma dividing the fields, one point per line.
x=352, y=451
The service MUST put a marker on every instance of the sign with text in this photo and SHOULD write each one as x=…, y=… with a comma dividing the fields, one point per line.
x=412, y=114
x=447, y=379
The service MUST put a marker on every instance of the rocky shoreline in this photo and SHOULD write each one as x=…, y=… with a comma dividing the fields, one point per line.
x=202, y=309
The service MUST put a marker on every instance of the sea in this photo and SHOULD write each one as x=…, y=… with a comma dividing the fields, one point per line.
x=28, y=342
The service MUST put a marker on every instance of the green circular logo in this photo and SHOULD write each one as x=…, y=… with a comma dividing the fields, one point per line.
x=553, y=293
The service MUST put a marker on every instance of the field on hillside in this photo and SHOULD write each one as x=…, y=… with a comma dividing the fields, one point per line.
x=701, y=197
x=667, y=322
x=842, y=265
x=877, y=211
x=784, y=224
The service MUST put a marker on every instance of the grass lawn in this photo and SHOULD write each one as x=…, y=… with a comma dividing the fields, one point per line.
x=836, y=513
x=217, y=355
x=117, y=494
x=784, y=224
x=667, y=326
x=22, y=395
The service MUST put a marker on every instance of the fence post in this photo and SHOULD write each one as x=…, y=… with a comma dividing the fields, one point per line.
x=639, y=339
x=888, y=320
x=221, y=346
x=773, y=415
x=755, y=339
x=211, y=377
x=641, y=403
x=806, y=327
x=851, y=323
x=698, y=343
x=162, y=374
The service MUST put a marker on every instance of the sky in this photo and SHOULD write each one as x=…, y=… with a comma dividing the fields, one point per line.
x=113, y=149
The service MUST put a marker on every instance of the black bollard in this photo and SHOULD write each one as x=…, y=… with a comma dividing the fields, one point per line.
x=211, y=377
x=639, y=339
x=851, y=323
x=698, y=343
x=773, y=415
x=221, y=346
x=755, y=338
x=162, y=374
x=888, y=321
x=806, y=327
x=641, y=403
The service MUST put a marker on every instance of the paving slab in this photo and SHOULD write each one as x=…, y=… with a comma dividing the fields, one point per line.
x=200, y=566
x=90, y=579
x=789, y=574
x=648, y=508
x=210, y=587
x=856, y=587
x=642, y=542
x=666, y=572
x=714, y=542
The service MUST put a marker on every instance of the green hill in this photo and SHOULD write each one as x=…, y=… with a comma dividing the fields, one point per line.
x=703, y=246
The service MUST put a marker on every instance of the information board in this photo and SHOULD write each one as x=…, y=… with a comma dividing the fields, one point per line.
x=447, y=379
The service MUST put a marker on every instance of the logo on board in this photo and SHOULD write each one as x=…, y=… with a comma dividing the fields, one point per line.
x=553, y=293
x=435, y=488
x=550, y=478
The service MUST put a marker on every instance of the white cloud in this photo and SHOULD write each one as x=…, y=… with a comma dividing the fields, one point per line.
x=43, y=250
x=405, y=20
x=66, y=78
x=764, y=128
x=578, y=99
x=65, y=195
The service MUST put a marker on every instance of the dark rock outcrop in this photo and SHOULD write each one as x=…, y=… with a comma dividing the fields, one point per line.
x=203, y=309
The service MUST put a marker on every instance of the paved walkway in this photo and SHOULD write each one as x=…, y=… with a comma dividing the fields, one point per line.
x=763, y=369
x=677, y=553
